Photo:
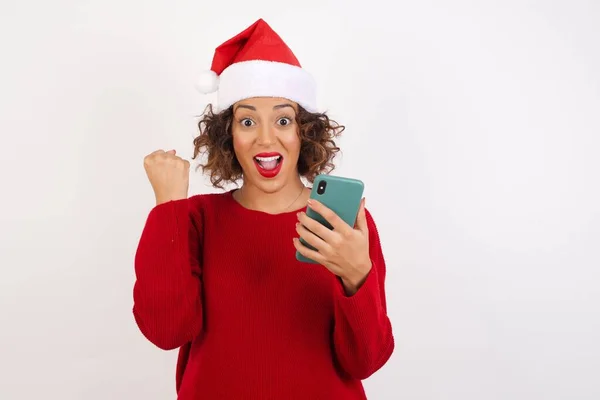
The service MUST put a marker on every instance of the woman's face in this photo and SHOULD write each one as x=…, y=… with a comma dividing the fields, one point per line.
x=266, y=141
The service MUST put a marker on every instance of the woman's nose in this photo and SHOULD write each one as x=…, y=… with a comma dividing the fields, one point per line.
x=266, y=136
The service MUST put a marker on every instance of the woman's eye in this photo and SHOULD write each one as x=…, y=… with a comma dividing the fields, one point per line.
x=247, y=122
x=284, y=121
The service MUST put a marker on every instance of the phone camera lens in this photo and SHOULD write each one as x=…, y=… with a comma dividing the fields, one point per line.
x=321, y=187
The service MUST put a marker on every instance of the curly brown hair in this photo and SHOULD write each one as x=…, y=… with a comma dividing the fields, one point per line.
x=317, y=150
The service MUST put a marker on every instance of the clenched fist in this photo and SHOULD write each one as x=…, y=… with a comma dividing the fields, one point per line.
x=168, y=175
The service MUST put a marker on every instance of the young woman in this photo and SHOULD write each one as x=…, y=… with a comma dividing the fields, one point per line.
x=216, y=274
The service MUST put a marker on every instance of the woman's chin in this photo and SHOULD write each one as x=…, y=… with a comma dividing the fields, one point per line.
x=270, y=184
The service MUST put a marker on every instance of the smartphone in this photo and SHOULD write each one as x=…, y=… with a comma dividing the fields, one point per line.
x=341, y=195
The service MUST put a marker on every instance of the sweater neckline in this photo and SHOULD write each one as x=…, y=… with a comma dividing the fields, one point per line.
x=250, y=211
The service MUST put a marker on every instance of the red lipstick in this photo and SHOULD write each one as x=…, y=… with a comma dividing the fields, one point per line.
x=268, y=164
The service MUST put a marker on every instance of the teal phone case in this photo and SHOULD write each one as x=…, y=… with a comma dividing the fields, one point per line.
x=341, y=195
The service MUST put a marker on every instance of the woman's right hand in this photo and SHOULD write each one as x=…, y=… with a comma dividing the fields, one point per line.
x=168, y=175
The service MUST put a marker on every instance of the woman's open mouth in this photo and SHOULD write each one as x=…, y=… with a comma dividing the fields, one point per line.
x=268, y=164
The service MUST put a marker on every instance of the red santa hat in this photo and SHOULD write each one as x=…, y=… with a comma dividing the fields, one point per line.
x=257, y=63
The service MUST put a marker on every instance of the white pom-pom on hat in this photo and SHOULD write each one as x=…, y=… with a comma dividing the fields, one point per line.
x=208, y=82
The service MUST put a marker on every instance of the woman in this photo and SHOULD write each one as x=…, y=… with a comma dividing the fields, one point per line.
x=216, y=274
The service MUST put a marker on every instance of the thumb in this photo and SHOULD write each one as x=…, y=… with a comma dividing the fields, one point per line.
x=172, y=152
x=361, y=218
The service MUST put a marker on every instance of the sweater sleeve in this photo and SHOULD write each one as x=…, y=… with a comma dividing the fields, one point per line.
x=363, y=339
x=167, y=291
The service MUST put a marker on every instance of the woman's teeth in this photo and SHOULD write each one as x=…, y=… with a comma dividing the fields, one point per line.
x=268, y=162
x=273, y=158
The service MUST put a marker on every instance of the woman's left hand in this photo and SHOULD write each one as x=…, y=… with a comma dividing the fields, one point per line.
x=344, y=250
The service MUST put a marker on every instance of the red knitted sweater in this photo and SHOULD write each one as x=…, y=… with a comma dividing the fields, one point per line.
x=221, y=283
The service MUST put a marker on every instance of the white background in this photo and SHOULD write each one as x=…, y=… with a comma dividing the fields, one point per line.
x=475, y=125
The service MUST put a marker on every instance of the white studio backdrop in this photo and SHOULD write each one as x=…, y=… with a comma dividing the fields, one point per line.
x=475, y=125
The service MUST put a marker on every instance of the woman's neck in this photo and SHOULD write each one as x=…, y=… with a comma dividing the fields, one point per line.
x=290, y=197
